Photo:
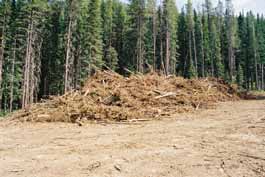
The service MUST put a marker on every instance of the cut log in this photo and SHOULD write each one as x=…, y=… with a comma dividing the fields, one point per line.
x=166, y=95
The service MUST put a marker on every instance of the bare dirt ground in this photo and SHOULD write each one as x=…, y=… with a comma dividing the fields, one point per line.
x=225, y=142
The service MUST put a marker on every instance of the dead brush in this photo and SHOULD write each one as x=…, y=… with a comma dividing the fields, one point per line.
x=108, y=96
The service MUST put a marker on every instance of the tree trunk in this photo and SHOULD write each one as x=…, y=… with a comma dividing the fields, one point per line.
x=140, y=42
x=1, y=68
x=12, y=77
x=190, y=53
x=262, y=76
x=195, y=51
x=26, y=80
x=202, y=51
x=140, y=47
x=2, y=51
x=167, y=61
x=255, y=60
x=67, y=62
x=256, y=73
x=154, y=38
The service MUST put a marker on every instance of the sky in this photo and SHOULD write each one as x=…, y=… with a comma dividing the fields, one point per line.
x=257, y=6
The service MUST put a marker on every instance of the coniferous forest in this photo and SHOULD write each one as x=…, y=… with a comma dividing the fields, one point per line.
x=49, y=47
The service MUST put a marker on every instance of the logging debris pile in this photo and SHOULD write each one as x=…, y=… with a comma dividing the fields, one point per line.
x=108, y=96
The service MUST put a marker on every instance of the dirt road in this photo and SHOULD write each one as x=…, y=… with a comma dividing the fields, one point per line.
x=226, y=142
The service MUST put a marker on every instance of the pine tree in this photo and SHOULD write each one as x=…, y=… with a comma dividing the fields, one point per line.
x=218, y=69
x=151, y=34
x=192, y=54
x=183, y=40
x=252, y=51
x=119, y=30
x=5, y=13
x=71, y=17
x=242, y=68
x=110, y=54
x=170, y=15
x=52, y=55
x=93, y=43
x=36, y=11
x=230, y=28
x=206, y=45
x=260, y=50
x=136, y=33
x=13, y=64
x=199, y=43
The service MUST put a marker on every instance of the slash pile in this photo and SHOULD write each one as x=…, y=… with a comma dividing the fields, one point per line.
x=108, y=96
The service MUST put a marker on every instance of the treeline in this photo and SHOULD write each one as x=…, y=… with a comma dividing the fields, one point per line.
x=48, y=47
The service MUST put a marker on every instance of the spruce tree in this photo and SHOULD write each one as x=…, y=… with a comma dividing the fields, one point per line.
x=170, y=15
x=192, y=56
x=206, y=46
x=260, y=50
x=151, y=33
x=70, y=29
x=218, y=67
x=93, y=43
x=135, y=41
x=230, y=29
x=199, y=43
x=14, y=57
x=119, y=30
x=36, y=16
x=52, y=54
x=110, y=54
x=242, y=68
x=183, y=40
x=5, y=12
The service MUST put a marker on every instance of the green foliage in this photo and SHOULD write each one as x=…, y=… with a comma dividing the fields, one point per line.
x=182, y=38
x=199, y=43
x=119, y=30
x=110, y=54
x=93, y=43
x=170, y=17
x=41, y=40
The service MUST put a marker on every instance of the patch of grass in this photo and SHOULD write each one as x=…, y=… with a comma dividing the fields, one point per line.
x=258, y=92
x=2, y=114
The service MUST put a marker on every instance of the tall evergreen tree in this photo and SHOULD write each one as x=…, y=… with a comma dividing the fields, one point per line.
x=151, y=33
x=5, y=11
x=260, y=50
x=36, y=11
x=183, y=40
x=192, y=53
x=110, y=54
x=199, y=43
x=206, y=45
x=230, y=28
x=136, y=33
x=242, y=68
x=13, y=64
x=93, y=32
x=52, y=55
x=119, y=31
x=217, y=65
x=170, y=15
x=71, y=16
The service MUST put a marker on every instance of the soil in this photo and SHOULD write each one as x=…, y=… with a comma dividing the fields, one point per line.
x=225, y=142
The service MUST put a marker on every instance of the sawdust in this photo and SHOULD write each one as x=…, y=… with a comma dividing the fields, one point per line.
x=108, y=96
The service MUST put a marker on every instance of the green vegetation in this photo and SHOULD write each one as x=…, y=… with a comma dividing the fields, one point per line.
x=51, y=47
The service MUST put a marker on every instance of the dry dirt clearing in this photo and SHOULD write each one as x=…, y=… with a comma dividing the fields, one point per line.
x=225, y=142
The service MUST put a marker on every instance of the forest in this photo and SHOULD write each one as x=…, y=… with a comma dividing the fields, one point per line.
x=49, y=47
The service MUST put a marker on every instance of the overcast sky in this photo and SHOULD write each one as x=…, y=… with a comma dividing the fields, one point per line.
x=257, y=6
